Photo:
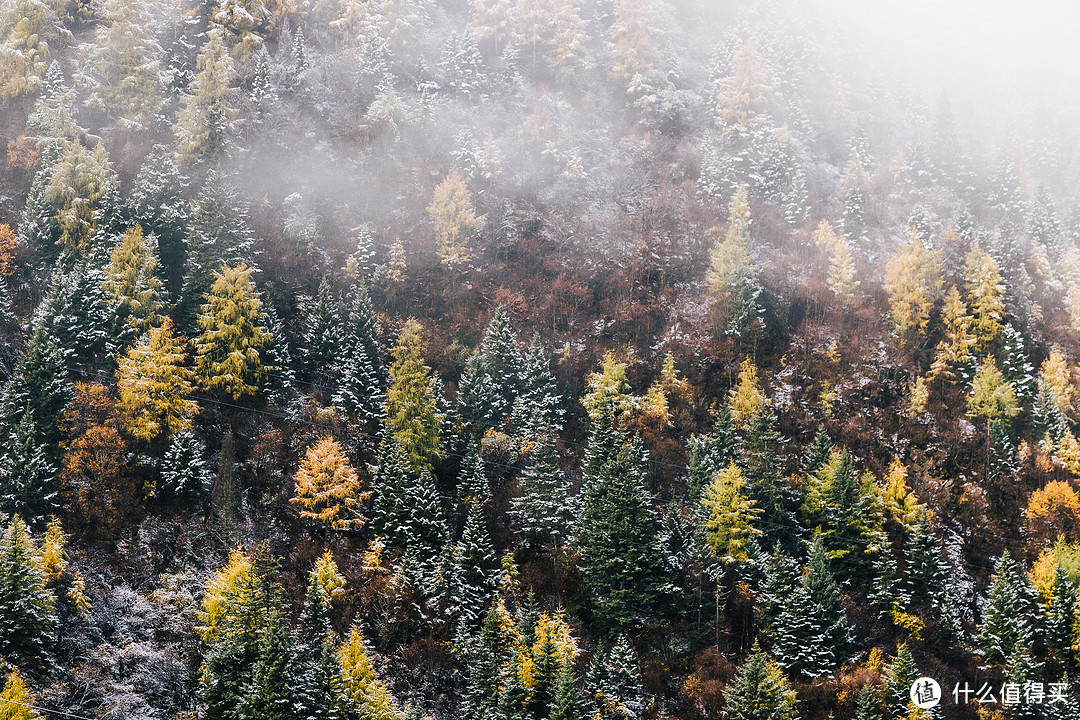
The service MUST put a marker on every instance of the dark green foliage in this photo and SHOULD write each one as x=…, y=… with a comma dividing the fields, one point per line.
x=362, y=379
x=184, y=471
x=613, y=683
x=544, y=511
x=1011, y=615
x=474, y=572
x=538, y=407
x=619, y=540
x=759, y=691
x=709, y=454
x=323, y=336
x=899, y=675
x=765, y=486
x=808, y=632
x=27, y=475
x=818, y=453
x=1060, y=616
x=868, y=706
x=157, y=203
x=924, y=585
x=389, y=480
x=27, y=622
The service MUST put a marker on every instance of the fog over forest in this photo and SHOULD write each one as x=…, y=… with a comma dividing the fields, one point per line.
x=539, y=360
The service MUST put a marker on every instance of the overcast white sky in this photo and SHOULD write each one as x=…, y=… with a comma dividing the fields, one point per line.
x=980, y=51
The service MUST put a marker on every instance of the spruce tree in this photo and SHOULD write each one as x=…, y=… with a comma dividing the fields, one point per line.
x=1061, y=614
x=924, y=584
x=709, y=454
x=323, y=336
x=868, y=706
x=389, y=481
x=1008, y=620
x=619, y=541
x=184, y=471
x=478, y=397
x=765, y=486
x=900, y=673
x=538, y=407
x=544, y=511
x=759, y=691
x=422, y=528
x=27, y=620
x=475, y=572
x=158, y=205
x=362, y=382
x=27, y=474
x=218, y=234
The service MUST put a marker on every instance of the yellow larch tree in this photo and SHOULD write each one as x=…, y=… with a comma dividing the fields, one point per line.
x=912, y=280
x=225, y=587
x=986, y=296
x=15, y=699
x=744, y=96
x=328, y=488
x=954, y=350
x=747, y=397
x=360, y=683
x=412, y=405
x=730, y=516
x=131, y=279
x=227, y=351
x=896, y=497
x=155, y=383
x=631, y=38
x=454, y=219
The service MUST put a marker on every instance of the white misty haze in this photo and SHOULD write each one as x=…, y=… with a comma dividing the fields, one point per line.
x=991, y=55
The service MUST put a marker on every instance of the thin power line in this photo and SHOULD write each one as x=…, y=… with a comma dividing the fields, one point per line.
x=46, y=710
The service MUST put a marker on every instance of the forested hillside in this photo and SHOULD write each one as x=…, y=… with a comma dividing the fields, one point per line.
x=525, y=360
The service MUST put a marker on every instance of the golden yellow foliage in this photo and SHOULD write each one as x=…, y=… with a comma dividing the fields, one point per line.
x=747, y=397
x=918, y=395
x=8, y=243
x=897, y=498
x=913, y=280
x=154, y=385
x=986, y=295
x=326, y=578
x=52, y=551
x=728, y=525
x=451, y=212
x=744, y=97
x=224, y=588
x=1068, y=453
x=76, y=595
x=328, y=488
x=1055, y=377
x=14, y=698
x=1054, y=511
x=609, y=388
x=359, y=681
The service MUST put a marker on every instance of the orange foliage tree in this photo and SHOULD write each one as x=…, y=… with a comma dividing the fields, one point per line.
x=93, y=468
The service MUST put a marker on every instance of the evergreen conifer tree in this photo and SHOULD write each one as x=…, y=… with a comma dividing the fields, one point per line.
x=27, y=619
x=759, y=691
x=184, y=471
x=544, y=510
x=619, y=542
